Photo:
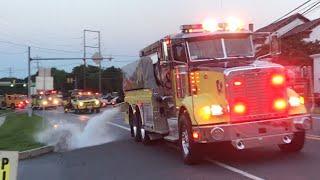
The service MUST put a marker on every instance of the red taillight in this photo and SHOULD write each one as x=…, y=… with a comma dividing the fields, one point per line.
x=239, y=108
x=195, y=135
x=280, y=104
x=278, y=79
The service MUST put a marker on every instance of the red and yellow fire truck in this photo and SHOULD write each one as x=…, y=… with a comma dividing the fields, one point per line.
x=205, y=85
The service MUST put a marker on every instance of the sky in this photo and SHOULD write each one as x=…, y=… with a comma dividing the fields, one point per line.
x=54, y=28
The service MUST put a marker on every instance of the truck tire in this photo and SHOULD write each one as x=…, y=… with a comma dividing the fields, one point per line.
x=13, y=106
x=98, y=110
x=189, y=149
x=296, y=144
x=76, y=111
x=137, y=128
x=131, y=120
x=143, y=133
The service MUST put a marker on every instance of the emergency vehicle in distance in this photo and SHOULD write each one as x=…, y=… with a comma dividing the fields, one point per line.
x=82, y=101
x=14, y=101
x=205, y=85
x=45, y=100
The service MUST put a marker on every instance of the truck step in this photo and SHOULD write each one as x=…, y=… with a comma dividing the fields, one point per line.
x=173, y=130
x=172, y=138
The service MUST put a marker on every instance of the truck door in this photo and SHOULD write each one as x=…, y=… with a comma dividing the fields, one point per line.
x=164, y=69
x=180, y=74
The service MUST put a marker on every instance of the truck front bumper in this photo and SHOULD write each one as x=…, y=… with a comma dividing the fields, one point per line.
x=256, y=133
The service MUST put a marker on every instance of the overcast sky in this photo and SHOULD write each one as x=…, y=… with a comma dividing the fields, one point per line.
x=126, y=25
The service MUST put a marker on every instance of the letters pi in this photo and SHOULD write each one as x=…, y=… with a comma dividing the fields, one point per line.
x=4, y=162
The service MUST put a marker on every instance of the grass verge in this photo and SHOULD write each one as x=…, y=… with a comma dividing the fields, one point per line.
x=3, y=111
x=17, y=132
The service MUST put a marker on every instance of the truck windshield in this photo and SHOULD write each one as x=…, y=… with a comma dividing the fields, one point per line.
x=238, y=47
x=85, y=97
x=220, y=48
x=206, y=49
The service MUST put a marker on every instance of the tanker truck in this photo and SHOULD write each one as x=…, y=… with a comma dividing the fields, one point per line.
x=205, y=85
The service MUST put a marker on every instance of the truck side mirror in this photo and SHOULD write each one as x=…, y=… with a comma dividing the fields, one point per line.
x=275, y=46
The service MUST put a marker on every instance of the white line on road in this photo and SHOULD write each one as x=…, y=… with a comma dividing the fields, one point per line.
x=233, y=169
x=119, y=126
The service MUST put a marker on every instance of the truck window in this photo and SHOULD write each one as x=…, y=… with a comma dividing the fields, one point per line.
x=179, y=53
x=165, y=51
x=206, y=49
x=238, y=47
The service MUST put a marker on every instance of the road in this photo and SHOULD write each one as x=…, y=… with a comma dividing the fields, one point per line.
x=122, y=158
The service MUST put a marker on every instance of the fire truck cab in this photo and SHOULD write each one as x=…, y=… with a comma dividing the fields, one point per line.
x=205, y=85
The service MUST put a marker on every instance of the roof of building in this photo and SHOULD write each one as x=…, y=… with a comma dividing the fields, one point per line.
x=279, y=24
x=306, y=27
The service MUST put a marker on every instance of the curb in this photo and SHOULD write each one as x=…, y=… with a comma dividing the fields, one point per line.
x=35, y=152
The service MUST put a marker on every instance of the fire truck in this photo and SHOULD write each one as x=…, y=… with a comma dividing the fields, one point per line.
x=205, y=85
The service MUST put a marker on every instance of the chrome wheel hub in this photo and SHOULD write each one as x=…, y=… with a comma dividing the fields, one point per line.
x=143, y=133
x=135, y=131
x=185, y=142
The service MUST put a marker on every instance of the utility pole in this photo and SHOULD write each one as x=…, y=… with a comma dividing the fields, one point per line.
x=29, y=82
x=84, y=59
x=85, y=46
x=99, y=48
x=10, y=72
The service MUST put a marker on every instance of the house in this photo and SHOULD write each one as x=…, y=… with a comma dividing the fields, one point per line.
x=309, y=30
x=285, y=25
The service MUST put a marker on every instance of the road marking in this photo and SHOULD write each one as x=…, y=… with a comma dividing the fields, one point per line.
x=119, y=126
x=236, y=170
x=313, y=137
x=233, y=169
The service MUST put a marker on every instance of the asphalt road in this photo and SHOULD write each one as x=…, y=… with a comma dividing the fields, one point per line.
x=122, y=158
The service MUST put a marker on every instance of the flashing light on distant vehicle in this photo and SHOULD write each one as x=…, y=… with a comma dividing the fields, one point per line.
x=55, y=101
x=45, y=102
x=81, y=103
x=97, y=102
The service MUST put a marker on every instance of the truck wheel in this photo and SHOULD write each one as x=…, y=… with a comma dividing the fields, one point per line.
x=76, y=111
x=189, y=149
x=137, y=128
x=98, y=110
x=145, y=137
x=143, y=133
x=13, y=106
x=296, y=144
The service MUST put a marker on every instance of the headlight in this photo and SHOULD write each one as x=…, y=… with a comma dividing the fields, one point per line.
x=55, y=101
x=213, y=110
x=45, y=102
x=81, y=104
x=97, y=102
x=295, y=101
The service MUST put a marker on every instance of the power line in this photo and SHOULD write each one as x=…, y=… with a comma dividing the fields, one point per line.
x=13, y=53
x=291, y=11
x=306, y=7
x=311, y=8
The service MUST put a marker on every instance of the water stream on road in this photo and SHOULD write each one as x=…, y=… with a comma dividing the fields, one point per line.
x=68, y=136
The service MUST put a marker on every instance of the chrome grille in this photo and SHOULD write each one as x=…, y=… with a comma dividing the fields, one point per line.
x=256, y=93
